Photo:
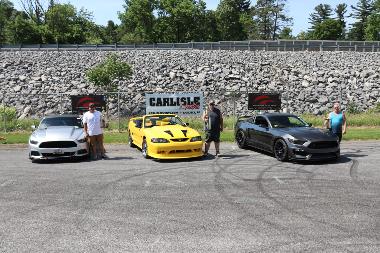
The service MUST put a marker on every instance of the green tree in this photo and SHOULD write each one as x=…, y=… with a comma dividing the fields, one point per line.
x=329, y=29
x=270, y=18
x=341, y=10
x=20, y=29
x=361, y=12
x=107, y=74
x=35, y=10
x=320, y=14
x=211, y=32
x=177, y=20
x=303, y=36
x=372, y=31
x=286, y=34
x=66, y=25
x=6, y=12
x=137, y=21
x=111, y=32
x=229, y=19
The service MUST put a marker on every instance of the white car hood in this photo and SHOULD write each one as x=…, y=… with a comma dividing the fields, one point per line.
x=59, y=133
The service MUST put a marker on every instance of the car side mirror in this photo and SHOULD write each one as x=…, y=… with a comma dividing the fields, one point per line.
x=310, y=124
x=185, y=124
x=33, y=127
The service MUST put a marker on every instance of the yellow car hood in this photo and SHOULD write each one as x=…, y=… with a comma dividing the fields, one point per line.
x=171, y=131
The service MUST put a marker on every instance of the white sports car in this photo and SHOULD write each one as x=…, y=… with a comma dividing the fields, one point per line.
x=58, y=136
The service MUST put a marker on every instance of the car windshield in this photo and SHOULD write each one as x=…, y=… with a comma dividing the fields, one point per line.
x=282, y=121
x=61, y=121
x=161, y=120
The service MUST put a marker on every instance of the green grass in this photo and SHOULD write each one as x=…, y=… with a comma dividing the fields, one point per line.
x=353, y=120
x=353, y=133
x=368, y=119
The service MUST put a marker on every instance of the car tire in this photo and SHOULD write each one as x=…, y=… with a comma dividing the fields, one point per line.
x=280, y=150
x=144, y=149
x=130, y=141
x=241, y=139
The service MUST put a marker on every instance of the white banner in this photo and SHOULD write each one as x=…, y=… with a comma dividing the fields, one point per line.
x=183, y=104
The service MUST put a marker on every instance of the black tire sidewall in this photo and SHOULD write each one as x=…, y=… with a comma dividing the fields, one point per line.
x=242, y=143
x=285, y=154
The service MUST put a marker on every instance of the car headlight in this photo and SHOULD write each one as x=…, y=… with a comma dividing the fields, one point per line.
x=296, y=141
x=196, y=138
x=159, y=140
x=83, y=140
x=34, y=142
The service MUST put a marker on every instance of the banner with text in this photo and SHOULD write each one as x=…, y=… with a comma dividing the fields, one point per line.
x=80, y=103
x=264, y=101
x=183, y=104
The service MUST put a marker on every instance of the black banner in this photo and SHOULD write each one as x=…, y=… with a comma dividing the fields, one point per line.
x=264, y=101
x=80, y=103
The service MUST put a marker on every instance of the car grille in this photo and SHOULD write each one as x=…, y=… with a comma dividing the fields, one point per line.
x=323, y=156
x=323, y=144
x=58, y=155
x=179, y=139
x=180, y=151
x=58, y=144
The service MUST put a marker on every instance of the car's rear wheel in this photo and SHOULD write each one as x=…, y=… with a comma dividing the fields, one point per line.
x=144, y=149
x=241, y=139
x=130, y=141
x=280, y=150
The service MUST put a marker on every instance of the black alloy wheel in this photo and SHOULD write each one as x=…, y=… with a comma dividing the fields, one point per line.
x=241, y=139
x=144, y=149
x=280, y=150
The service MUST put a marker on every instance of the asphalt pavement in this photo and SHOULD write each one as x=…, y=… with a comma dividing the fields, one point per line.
x=242, y=201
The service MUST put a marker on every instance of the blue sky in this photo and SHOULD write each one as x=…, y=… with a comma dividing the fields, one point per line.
x=298, y=9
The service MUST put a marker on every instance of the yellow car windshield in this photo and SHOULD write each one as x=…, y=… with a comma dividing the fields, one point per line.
x=161, y=120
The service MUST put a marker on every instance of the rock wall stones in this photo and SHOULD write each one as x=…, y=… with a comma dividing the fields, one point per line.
x=32, y=81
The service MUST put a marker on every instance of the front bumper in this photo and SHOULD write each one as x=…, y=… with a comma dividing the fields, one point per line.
x=36, y=153
x=180, y=150
x=302, y=153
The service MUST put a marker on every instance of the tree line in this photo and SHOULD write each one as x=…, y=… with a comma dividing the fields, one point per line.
x=167, y=21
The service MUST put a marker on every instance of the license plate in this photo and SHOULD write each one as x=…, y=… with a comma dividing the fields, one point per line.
x=58, y=151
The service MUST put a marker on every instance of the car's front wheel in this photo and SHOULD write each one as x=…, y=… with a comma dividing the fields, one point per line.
x=280, y=150
x=144, y=149
x=241, y=139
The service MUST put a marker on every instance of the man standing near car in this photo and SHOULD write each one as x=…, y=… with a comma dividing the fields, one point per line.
x=213, y=120
x=92, y=121
x=336, y=121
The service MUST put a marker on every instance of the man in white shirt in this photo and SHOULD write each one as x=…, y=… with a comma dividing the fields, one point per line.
x=92, y=128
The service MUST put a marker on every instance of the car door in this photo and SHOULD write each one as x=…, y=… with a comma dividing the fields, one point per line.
x=137, y=133
x=262, y=134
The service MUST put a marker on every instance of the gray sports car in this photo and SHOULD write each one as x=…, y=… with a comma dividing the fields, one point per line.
x=287, y=136
x=58, y=136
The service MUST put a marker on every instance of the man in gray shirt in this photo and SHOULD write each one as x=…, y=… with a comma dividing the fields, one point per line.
x=213, y=126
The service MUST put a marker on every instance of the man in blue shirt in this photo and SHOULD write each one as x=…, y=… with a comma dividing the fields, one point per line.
x=336, y=121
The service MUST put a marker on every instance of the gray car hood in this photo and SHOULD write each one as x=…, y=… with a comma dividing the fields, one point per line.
x=59, y=133
x=309, y=133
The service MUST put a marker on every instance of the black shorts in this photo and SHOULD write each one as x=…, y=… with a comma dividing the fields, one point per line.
x=339, y=136
x=212, y=136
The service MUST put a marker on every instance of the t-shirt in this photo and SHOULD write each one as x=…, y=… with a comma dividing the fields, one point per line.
x=214, y=118
x=336, y=122
x=93, y=120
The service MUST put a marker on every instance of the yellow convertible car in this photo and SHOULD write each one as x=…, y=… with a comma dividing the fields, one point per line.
x=164, y=136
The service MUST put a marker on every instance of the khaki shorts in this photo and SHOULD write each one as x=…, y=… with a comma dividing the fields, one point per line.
x=95, y=139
